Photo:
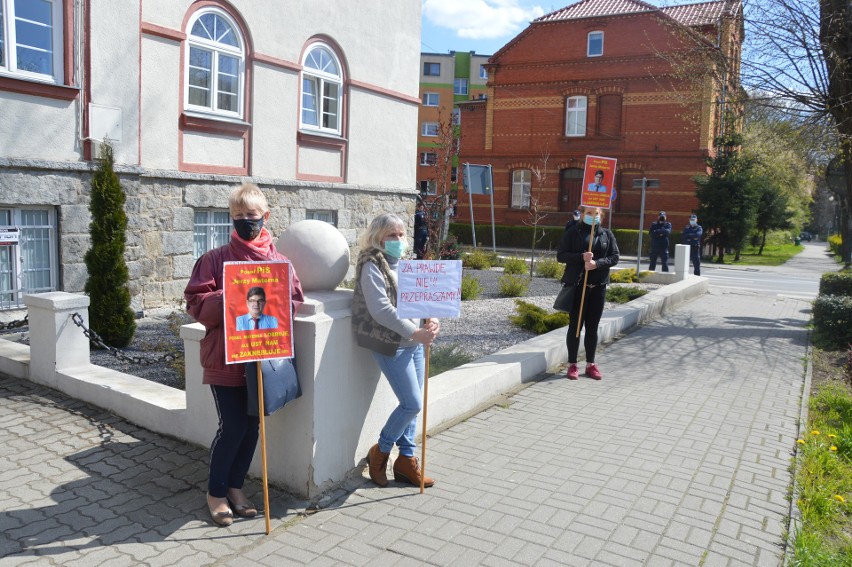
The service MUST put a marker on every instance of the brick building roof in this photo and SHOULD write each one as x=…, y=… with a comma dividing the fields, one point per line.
x=687, y=14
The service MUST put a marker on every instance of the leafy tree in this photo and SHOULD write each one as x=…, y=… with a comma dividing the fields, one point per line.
x=772, y=212
x=535, y=216
x=728, y=197
x=110, y=315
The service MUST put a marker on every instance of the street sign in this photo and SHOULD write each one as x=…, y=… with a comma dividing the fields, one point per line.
x=649, y=183
x=9, y=236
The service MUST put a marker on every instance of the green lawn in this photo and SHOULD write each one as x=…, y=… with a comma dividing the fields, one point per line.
x=773, y=255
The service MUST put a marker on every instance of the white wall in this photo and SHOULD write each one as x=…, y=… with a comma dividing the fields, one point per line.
x=38, y=128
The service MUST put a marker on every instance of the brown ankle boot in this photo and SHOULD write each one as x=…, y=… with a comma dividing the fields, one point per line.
x=407, y=469
x=378, y=465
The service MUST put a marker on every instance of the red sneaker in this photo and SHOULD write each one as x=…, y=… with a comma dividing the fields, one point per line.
x=593, y=372
x=573, y=372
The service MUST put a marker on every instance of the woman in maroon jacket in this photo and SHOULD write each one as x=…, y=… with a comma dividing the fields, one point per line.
x=236, y=438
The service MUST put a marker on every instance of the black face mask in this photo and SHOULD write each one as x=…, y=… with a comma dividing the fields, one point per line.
x=662, y=219
x=248, y=229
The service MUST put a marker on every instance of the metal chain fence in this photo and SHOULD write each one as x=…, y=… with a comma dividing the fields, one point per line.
x=9, y=325
x=99, y=343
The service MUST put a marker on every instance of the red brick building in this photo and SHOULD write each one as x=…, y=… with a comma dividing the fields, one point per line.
x=609, y=78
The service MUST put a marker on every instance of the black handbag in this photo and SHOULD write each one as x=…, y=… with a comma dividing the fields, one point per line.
x=280, y=384
x=565, y=298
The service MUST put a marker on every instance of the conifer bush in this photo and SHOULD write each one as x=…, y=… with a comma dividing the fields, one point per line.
x=470, y=287
x=535, y=319
x=549, y=268
x=110, y=315
x=513, y=286
x=514, y=266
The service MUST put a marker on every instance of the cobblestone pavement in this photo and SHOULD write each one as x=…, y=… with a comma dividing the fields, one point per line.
x=679, y=456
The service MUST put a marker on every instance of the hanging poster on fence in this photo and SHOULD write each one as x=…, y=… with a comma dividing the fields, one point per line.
x=428, y=288
x=598, y=182
x=258, y=314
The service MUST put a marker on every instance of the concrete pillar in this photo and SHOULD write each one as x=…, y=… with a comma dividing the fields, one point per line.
x=681, y=261
x=56, y=343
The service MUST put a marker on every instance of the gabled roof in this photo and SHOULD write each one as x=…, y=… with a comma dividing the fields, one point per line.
x=690, y=15
x=687, y=14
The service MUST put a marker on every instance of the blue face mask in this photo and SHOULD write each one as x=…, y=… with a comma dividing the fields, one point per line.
x=588, y=219
x=395, y=248
x=693, y=223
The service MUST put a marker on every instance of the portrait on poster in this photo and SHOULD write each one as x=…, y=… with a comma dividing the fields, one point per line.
x=598, y=182
x=258, y=311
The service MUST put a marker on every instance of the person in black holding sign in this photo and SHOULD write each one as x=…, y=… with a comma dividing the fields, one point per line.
x=235, y=440
x=396, y=344
x=573, y=252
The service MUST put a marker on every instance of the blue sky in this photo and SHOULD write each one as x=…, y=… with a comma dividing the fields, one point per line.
x=484, y=26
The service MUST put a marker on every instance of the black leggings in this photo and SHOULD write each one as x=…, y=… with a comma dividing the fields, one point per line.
x=235, y=441
x=593, y=307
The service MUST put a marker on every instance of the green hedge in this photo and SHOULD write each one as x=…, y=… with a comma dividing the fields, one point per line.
x=836, y=283
x=521, y=237
x=833, y=321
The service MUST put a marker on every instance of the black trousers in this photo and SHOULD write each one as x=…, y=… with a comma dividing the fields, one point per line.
x=235, y=441
x=590, y=318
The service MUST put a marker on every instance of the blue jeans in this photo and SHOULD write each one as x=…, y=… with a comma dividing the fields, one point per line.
x=405, y=372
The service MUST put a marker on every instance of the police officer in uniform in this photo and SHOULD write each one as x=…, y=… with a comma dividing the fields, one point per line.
x=660, y=232
x=692, y=235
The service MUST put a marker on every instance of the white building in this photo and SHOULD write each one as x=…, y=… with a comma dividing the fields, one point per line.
x=316, y=102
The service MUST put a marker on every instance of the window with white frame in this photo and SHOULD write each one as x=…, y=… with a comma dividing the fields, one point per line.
x=328, y=216
x=432, y=69
x=575, y=116
x=429, y=129
x=521, y=185
x=30, y=266
x=322, y=90
x=431, y=99
x=215, y=65
x=212, y=229
x=31, y=39
x=595, y=44
x=483, y=72
x=460, y=86
x=428, y=158
x=429, y=187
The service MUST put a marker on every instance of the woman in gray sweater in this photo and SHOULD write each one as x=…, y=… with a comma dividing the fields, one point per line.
x=396, y=344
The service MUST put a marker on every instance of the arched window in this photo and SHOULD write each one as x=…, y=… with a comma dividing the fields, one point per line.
x=322, y=90
x=215, y=64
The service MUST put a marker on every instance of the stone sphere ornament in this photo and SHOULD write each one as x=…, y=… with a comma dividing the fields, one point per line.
x=318, y=251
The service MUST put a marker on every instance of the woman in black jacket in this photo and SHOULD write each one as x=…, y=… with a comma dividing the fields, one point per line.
x=573, y=252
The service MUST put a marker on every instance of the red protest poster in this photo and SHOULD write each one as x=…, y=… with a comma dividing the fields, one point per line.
x=598, y=182
x=258, y=314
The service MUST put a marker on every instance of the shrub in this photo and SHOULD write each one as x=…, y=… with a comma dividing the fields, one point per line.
x=834, y=244
x=450, y=249
x=447, y=357
x=110, y=315
x=832, y=321
x=623, y=294
x=470, y=287
x=476, y=260
x=836, y=283
x=625, y=275
x=514, y=266
x=549, y=268
x=513, y=286
x=535, y=319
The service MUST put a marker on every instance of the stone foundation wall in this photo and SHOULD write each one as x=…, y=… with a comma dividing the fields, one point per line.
x=160, y=209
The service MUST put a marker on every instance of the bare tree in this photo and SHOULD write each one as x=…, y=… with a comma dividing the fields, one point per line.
x=799, y=58
x=534, y=214
x=440, y=205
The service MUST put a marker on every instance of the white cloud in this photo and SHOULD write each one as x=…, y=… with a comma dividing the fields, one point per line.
x=481, y=19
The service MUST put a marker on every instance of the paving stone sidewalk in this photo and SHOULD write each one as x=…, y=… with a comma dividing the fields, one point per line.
x=678, y=457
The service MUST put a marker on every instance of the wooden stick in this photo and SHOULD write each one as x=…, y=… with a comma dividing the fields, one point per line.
x=423, y=436
x=585, y=279
x=260, y=412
